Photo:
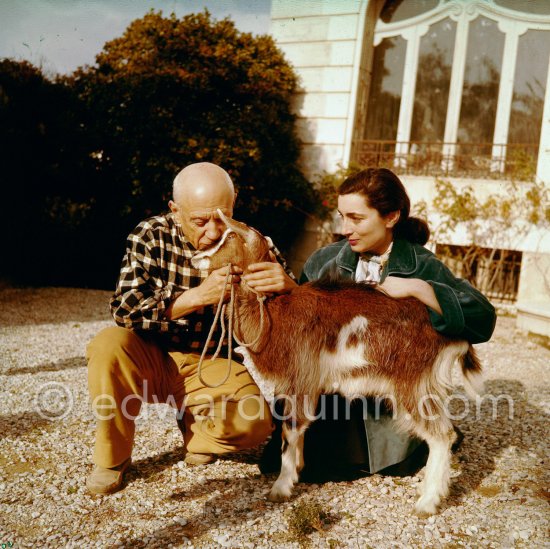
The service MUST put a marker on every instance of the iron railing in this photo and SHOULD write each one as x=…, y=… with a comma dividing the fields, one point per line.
x=493, y=271
x=478, y=160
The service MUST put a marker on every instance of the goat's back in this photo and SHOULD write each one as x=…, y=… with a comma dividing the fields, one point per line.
x=400, y=339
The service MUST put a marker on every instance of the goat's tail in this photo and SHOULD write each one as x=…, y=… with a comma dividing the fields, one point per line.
x=471, y=370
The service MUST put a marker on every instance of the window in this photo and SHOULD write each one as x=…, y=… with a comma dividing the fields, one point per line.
x=432, y=82
x=385, y=91
x=529, y=87
x=481, y=81
x=461, y=85
x=493, y=271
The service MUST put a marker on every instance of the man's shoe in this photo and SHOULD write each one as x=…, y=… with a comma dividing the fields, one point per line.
x=103, y=480
x=198, y=459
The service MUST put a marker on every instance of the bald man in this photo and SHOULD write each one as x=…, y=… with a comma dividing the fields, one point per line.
x=163, y=310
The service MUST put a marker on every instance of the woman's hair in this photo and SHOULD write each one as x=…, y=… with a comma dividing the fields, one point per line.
x=385, y=193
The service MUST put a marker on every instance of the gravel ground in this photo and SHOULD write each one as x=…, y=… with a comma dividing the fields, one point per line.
x=499, y=498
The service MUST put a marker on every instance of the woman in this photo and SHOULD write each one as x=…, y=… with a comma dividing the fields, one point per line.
x=384, y=247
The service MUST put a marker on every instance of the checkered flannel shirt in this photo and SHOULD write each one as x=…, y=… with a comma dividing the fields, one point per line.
x=155, y=270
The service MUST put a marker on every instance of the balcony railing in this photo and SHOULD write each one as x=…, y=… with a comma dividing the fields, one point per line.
x=477, y=160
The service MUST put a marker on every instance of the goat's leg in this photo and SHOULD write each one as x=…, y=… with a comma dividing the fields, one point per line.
x=437, y=474
x=292, y=461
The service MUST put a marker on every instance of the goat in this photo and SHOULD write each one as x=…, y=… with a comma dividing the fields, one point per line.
x=349, y=337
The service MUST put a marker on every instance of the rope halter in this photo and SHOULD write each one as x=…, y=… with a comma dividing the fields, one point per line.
x=220, y=316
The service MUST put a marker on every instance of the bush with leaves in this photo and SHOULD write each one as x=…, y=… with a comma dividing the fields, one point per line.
x=487, y=223
x=89, y=155
x=305, y=517
x=47, y=174
x=495, y=227
x=327, y=184
x=172, y=91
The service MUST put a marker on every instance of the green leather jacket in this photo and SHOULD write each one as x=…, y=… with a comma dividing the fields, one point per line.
x=466, y=313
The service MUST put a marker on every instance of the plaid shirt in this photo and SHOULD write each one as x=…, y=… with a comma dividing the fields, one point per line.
x=156, y=270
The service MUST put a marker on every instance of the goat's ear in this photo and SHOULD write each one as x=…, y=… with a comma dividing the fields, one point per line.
x=202, y=260
x=237, y=227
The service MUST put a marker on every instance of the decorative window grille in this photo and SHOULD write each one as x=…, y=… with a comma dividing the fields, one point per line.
x=450, y=74
x=494, y=272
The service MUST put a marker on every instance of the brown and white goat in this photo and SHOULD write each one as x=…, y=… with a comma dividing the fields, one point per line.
x=349, y=338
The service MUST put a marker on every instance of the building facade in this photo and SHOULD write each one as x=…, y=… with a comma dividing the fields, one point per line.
x=453, y=90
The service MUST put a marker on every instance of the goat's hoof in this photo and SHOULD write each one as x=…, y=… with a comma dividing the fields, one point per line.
x=426, y=507
x=277, y=497
x=422, y=514
x=279, y=494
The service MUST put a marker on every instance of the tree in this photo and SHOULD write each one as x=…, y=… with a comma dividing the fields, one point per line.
x=87, y=156
x=44, y=160
x=172, y=91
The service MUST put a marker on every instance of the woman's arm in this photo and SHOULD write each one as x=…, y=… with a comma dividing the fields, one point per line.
x=411, y=287
x=456, y=308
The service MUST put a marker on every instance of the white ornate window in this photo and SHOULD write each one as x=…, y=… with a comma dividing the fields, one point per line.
x=450, y=75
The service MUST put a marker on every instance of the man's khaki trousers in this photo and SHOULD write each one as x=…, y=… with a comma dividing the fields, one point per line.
x=125, y=369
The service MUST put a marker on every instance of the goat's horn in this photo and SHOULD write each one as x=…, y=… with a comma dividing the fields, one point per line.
x=236, y=226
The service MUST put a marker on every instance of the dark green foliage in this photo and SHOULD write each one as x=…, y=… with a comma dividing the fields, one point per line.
x=97, y=151
x=175, y=91
x=48, y=178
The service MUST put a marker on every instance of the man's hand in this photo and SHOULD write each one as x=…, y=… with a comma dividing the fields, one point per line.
x=208, y=293
x=268, y=277
x=210, y=290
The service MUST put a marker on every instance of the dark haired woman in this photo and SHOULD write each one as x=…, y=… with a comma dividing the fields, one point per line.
x=384, y=247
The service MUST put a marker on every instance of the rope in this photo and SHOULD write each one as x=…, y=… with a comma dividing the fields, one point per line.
x=220, y=311
x=261, y=300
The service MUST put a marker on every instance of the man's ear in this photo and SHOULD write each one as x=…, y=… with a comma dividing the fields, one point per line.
x=392, y=218
x=173, y=206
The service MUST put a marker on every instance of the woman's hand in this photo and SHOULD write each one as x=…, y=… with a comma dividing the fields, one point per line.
x=400, y=288
x=397, y=287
